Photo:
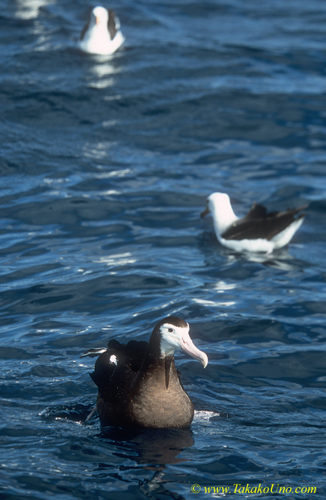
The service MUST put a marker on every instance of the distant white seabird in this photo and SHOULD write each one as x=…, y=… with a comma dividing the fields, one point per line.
x=101, y=35
x=258, y=231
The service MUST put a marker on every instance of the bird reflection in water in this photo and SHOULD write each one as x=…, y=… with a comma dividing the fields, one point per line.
x=156, y=447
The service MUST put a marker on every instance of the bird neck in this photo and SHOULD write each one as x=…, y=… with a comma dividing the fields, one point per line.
x=161, y=368
x=223, y=218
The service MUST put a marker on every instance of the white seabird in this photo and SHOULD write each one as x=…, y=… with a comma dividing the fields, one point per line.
x=258, y=231
x=101, y=35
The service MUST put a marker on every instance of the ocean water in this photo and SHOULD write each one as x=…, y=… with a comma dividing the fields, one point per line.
x=105, y=166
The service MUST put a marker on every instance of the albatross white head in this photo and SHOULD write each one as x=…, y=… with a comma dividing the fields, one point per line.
x=219, y=205
x=98, y=19
x=174, y=333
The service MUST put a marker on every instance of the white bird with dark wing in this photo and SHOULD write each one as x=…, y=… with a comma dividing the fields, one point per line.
x=101, y=35
x=258, y=231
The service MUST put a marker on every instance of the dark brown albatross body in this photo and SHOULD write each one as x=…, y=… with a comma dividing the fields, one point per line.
x=138, y=384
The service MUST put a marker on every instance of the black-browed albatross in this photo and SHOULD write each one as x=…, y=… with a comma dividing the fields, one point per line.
x=258, y=231
x=101, y=34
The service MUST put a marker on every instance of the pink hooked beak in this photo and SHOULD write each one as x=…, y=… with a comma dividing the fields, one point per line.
x=189, y=347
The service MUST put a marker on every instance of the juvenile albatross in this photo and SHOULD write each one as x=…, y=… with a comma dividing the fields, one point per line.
x=101, y=34
x=258, y=231
x=138, y=384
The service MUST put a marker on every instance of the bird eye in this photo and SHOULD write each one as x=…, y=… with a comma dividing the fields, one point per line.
x=170, y=330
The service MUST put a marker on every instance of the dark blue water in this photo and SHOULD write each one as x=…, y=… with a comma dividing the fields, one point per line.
x=105, y=166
